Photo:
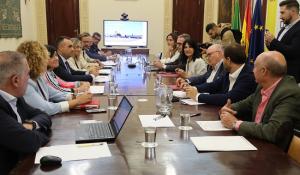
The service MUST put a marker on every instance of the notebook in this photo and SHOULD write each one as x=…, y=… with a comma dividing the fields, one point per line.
x=99, y=132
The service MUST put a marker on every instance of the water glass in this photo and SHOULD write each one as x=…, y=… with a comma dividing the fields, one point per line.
x=150, y=137
x=185, y=122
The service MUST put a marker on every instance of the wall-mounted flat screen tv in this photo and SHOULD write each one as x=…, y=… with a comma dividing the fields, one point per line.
x=125, y=33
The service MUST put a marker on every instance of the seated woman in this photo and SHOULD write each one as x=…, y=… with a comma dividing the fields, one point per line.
x=58, y=83
x=172, y=53
x=77, y=62
x=38, y=93
x=194, y=64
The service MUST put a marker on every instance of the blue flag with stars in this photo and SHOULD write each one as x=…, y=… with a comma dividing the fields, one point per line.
x=256, y=46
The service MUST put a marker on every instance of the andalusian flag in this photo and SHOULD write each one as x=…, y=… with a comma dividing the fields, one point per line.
x=236, y=19
x=246, y=30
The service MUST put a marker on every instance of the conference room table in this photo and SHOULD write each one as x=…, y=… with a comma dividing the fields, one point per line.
x=175, y=153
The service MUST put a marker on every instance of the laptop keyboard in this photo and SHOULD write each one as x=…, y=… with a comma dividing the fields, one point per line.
x=99, y=130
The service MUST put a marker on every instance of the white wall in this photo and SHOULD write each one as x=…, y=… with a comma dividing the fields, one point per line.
x=28, y=18
x=149, y=10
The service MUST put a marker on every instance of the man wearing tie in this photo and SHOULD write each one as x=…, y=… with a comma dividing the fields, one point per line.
x=288, y=39
x=23, y=129
x=64, y=71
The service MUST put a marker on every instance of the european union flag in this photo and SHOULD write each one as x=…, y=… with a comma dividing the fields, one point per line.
x=257, y=34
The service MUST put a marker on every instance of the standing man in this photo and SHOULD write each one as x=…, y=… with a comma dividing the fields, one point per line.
x=272, y=111
x=287, y=41
x=23, y=129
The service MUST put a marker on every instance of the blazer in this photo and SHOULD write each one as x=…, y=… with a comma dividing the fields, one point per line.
x=45, y=98
x=15, y=139
x=92, y=52
x=62, y=72
x=179, y=63
x=280, y=116
x=289, y=46
x=218, y=90
x=197, y=80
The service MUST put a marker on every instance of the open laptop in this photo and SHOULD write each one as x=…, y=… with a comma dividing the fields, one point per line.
x=108, y=132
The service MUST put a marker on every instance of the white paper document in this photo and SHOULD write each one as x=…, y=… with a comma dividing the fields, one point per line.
x=97, y=89
x=222, y=143
x=155, y=121
x=212, y=126
x=180, y=94
x=109, y=63
x=190, y=102
x=75, y=151
x=101, y=79
x=104, y=71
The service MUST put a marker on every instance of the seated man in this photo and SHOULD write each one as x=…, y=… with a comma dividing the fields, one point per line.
x=64, y=71
x=237, y=84
x=178, y=63
x=23, y=128
x=215, y=55
x=94, y=47
x=87, y=50
x=272, y=111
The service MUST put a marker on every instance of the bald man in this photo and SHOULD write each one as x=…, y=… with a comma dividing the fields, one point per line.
x=215, y=55
x=272, y=111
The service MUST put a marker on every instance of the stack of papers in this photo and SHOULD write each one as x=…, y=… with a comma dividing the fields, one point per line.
x=75, y=151
x=212, y=126
x=179, y=94
x=150, y=121
x=105, y=71
x=109, y=63
x=97, y=89
x=101, y=79
x=190, y=102
x=222, y=143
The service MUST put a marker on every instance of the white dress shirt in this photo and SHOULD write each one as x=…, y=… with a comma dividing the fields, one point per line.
x=12, y=101
x=214, y=72
x=233, y=76
x=287, y=28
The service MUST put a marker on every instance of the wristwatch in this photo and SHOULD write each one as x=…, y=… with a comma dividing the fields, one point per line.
x=33, y=124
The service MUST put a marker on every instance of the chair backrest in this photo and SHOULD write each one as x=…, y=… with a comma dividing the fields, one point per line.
x=294, y=149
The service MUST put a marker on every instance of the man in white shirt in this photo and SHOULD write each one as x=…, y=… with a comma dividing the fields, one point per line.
x=23, y=129
x=236, y=85
x=215, y=55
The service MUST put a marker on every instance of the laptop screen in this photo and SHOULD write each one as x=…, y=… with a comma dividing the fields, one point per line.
x=121, y=115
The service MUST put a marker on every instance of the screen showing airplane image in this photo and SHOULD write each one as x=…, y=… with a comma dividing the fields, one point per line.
x=125, y=33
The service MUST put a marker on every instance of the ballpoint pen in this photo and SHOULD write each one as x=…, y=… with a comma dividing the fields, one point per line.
x=89, y=144
x=196, y=114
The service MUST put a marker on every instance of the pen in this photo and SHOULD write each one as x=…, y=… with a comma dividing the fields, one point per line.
x=89, y=144
x=196, y=114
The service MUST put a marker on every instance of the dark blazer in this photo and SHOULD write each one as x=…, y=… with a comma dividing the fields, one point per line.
x=15, y=139
x=280, y=116
x=92, y=52
x=62, y=72
x=179, y=63
x=197, y=80
x=218, y=89
x=289, y=46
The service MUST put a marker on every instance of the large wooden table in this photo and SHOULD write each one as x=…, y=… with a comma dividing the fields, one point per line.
x=174, y=155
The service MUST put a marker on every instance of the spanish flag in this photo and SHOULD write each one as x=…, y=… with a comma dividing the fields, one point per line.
x=246, y=29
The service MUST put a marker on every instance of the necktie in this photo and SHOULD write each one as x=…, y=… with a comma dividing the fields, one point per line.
x=68, y=67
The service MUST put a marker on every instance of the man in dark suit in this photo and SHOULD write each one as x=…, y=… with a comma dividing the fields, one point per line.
x=215, y=55
x=23, y=129
x=64, y=71
x=272, y=111
x=288, y=39
x=236, y=85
